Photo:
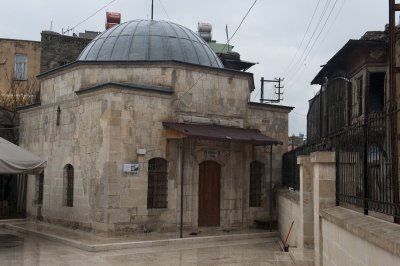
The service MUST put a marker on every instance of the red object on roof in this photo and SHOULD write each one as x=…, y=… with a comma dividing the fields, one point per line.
x=110, y=25
x=113, y=17
x=222, y=133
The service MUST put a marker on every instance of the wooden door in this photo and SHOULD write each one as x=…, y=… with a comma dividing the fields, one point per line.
x=209, y=193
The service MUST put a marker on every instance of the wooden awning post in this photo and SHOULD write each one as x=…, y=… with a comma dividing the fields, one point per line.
x=182, y=174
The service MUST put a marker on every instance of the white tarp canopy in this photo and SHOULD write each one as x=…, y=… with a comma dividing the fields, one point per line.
x=16, y=160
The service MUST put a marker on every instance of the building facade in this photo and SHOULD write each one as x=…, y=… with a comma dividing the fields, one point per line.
x=19, y=65
x=147, y=105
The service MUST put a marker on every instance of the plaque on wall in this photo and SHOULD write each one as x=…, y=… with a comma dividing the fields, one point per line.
x=131, y=168
x=212, y=155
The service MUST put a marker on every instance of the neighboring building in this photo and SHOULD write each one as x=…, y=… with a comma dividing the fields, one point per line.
x=143, y=101
x=296, y=141
x=348, y=169
x=88, y=34
x=353, y=83
x=228, y=57
x=59, y=50
x=19, y=65
x=19, y=62
x=352, y=114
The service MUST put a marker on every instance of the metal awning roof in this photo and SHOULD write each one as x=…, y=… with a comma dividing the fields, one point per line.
x=221, y=133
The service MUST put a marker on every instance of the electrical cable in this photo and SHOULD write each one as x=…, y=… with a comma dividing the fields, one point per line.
x=215, y=59
x=303, y=60
x=165, y=11
x=86, y=19
x=299, y=61
x=301, y=43
x=322, y=41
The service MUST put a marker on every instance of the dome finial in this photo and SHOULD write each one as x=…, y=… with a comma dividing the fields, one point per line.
x=152, y=9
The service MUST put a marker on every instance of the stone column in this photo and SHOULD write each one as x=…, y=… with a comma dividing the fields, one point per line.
x=306, y=219
x=324, y=186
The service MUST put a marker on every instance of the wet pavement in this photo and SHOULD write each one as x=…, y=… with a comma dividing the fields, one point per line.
x=23, y=249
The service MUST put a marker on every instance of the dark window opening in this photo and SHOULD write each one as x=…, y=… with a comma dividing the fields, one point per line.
x=359, y=96
x=256, y=173
x=68, y=185
x=157, y=183
x=58, y=116
x=376, y=96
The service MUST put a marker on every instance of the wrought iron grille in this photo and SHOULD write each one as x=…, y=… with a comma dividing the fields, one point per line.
x=256, y=172
x=157, y=183
x=69, y=185
x=366, y=172
x=40, y=184
x=290, y=168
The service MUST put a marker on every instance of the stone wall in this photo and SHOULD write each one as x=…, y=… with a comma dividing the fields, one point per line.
x=58, y=49
x=288, y=208
x=341, y=236
x=350, y=238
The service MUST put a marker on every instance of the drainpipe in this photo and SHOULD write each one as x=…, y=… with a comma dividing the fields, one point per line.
x=270, y=188
x=182, y=169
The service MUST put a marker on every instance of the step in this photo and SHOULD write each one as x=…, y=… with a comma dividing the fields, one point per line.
x=283, y=259
x=302, y=257
x=115, y=244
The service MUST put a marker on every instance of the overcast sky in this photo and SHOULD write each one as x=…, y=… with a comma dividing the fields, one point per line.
x=270, y=35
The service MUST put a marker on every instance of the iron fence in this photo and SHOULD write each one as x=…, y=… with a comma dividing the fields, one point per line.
x=366, y=165
x=290, y=168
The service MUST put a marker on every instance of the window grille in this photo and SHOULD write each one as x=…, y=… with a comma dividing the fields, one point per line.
x=20, y=67
x=157, y=183
x=68, y=185
x=39, y=189
x=256, y=172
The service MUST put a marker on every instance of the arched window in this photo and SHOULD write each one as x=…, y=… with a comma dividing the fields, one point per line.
x=39, y=188
x=256, y=173
x=68, y=195
x=157, y=183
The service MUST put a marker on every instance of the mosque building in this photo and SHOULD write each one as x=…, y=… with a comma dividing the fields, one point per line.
x=148, y=131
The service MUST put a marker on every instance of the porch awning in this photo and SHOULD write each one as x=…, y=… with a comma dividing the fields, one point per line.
x=16, y=160
x=221, y=133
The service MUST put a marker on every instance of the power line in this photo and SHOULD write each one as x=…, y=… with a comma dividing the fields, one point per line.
x=165, y=11
x=86, y=19
x=327, y=4
x=304, y=37
x=216, y=58
x=241, y=22
x=325, y=36
x=303, y=60
x=298, y=113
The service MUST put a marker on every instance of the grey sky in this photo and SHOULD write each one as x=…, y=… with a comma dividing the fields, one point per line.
x=270, y=35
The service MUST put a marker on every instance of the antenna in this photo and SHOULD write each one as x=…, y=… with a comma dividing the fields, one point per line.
x=227, y=35
x=152, y=9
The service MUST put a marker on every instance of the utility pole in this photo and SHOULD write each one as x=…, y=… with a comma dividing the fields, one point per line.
x=279, y=87
x=393, y=8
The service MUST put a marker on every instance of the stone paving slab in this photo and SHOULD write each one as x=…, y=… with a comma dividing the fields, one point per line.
x=94, y=243
x=36, y=251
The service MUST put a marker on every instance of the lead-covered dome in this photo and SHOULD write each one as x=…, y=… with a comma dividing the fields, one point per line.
x=150, y=40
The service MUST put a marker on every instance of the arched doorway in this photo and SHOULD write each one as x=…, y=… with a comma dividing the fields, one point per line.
x=209, y=193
